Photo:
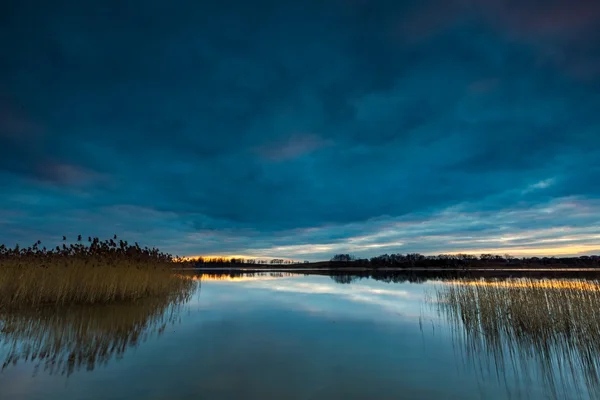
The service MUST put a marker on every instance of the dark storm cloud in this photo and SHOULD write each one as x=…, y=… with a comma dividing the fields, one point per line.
x=246, y=127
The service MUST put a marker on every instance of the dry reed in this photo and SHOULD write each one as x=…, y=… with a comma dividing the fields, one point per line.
x=553, y=323
x=97, y=273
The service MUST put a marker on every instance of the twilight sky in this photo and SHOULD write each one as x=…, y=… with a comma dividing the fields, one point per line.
x=303, y=129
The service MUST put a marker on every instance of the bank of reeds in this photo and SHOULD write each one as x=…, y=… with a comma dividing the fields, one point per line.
x=553, y=325
x=98, y=272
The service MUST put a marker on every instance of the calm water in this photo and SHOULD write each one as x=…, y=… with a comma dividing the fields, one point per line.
x=275, y=337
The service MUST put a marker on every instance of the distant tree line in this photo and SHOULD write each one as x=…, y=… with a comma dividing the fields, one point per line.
x=410, y=260
x=414, y=260
x=199, y=261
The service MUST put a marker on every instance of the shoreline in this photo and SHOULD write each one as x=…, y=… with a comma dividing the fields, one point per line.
x=414, y=274
x=387, y=269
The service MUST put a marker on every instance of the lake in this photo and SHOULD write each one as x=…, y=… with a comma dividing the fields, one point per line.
x=291, y=336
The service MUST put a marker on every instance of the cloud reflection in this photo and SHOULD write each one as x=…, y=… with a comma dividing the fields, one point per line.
x=320, y=294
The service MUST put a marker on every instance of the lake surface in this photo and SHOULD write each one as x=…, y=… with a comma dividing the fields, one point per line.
x=288, y=336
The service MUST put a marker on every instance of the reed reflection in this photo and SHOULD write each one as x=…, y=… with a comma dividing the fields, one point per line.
x=523, y=329
x=65, y=339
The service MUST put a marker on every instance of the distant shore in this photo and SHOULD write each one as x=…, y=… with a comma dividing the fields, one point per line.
x=416, y=262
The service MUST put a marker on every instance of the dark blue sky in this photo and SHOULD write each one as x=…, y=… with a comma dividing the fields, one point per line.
x=303, y=128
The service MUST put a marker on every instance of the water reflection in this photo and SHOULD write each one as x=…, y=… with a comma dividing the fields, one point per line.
x=423, y=276
x=243, y=276
x=297, y=336
x=524, y=329
x=64, y=340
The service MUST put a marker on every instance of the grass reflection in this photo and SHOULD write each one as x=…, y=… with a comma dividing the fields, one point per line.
x=525, y=327
x=66, y=339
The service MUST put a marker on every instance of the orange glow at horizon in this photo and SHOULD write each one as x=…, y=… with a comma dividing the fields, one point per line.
x=573, y=250
x=537, y=251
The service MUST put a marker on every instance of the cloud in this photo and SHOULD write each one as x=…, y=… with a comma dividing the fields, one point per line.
x=16, y=127
x=280, y=136
x=293, y=147
x=564, y=227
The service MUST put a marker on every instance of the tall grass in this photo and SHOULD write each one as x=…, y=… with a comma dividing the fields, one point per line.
x=97, y=273
x=510, y=325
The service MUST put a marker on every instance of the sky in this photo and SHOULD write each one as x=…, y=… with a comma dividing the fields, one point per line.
x=302, y=129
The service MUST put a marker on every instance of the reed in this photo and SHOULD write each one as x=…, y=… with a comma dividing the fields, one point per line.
x=99, y=272
x=509, y=324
